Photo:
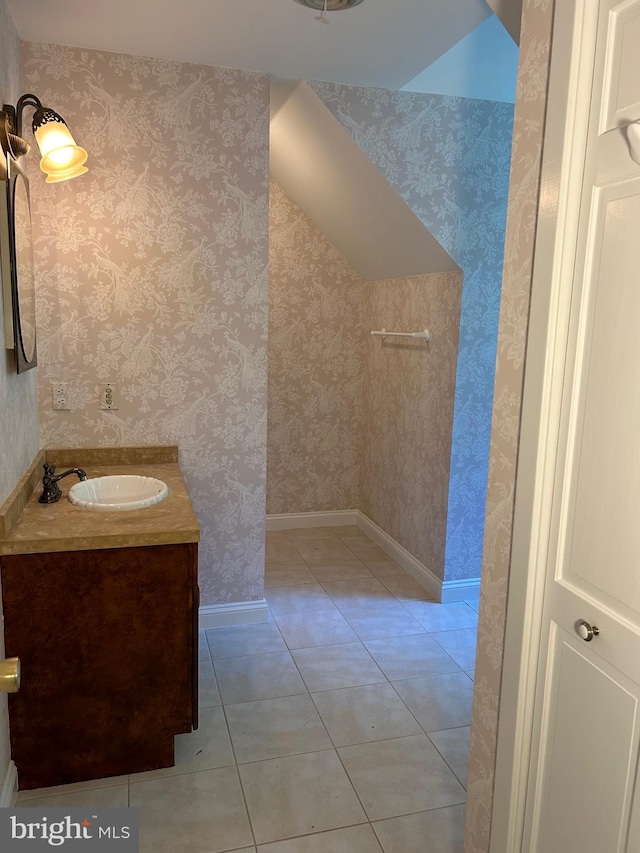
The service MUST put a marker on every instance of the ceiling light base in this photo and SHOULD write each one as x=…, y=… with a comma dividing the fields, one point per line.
x=331, y=6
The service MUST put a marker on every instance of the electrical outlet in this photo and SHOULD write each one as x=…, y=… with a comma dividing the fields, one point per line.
x=108, y=396
x=60, y=396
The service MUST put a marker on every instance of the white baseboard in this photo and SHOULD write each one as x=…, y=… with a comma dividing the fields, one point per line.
x=9, y=788
x=444, y=592
x=337, y=518
x=465, y=590
x=397, y=552
x=233, y=613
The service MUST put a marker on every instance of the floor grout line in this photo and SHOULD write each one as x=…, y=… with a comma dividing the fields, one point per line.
x=239, y=775
x=446, y=762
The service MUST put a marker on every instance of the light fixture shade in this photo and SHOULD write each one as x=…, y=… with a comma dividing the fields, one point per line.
x=61, y=159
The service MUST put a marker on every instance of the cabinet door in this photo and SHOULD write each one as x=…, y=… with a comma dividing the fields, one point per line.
x=106, y=643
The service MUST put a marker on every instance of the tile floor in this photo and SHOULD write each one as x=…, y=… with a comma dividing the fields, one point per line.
x=339, y=726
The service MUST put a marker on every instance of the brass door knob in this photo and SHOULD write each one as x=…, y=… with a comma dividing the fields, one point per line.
x=10, y=675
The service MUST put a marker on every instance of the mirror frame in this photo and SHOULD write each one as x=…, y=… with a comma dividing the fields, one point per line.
x=10, y=172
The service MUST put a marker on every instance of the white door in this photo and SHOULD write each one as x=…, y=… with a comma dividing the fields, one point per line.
x=583, y=793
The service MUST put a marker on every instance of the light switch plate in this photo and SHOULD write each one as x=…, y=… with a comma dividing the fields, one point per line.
x=108, y=396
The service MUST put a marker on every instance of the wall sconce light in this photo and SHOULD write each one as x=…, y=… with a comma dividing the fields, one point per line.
x=61, y=158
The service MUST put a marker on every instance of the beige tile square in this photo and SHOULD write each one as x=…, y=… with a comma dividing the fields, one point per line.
x=386, y=620
x=439, y=701
x=288, y=574
x=194, y=813
x=273, y=728
x=384, y=568
x=325, y=628
x=410, y=657
x=295, y=534
x=378, y=607
x=205, y=748
x=357, y=537
x=437, y=831
x=406, y=588
x=203, y=647
x=298, y=599
x=453, y=746
x=350, y=531
x=358, y=593
x=240, y=640
x=354, y=839
x=442, y=617
x=59, y=790
x=299, y=795
x=339, y=559
x=332, y=667
x=400, y=776
x=460, y=645
x=78, y=796
x=275, y=536
x=320, y=549
x=280, y=551
x=208, y=693
x=253, y=677
x=366, y=550
x=340, y=570
x=362, y=714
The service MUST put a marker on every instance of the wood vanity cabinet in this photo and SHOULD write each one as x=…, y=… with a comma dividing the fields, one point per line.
x=108, y=641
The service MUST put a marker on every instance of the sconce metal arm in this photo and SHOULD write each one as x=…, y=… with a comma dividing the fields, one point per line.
x=11, y=126
x=27, y=100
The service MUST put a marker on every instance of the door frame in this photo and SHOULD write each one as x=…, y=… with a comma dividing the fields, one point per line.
x=564, y=147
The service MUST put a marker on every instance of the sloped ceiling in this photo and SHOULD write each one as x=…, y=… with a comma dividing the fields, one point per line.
x=328, y=176
x=510, y=13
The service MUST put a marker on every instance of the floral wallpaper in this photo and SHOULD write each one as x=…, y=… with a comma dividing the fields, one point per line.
x=18, y=394
x=316, y=317
x=518, y=267
x=355, y=422
x=152, y=274
x=449, y=159
x=408, y=411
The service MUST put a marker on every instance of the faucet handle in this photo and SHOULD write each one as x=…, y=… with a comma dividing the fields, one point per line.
x=49, y=471
x=50, y=489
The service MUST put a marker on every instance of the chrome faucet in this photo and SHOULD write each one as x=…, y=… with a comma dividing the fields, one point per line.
x=50, y=490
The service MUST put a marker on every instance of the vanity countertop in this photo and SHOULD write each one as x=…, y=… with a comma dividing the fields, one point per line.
x=44, y=528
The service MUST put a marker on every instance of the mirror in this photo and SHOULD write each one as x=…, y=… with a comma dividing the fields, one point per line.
x=25, y=278
x=18, y=276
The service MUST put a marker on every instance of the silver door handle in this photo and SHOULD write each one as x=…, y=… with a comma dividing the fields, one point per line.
x=633, y=140
x=587, y=632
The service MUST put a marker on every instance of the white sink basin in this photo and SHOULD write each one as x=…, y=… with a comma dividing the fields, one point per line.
x=118, y=493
